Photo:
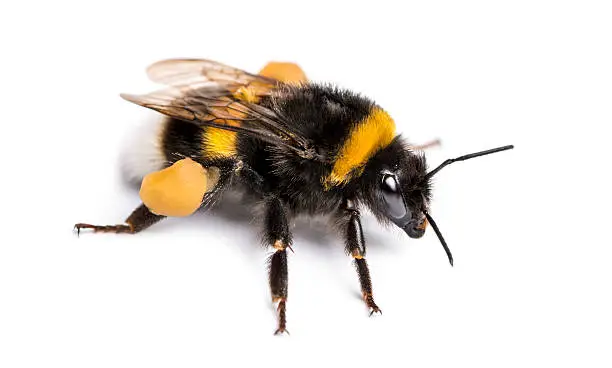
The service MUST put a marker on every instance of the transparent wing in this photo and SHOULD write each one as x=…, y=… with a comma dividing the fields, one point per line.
x=202, y=72
x=218, y=107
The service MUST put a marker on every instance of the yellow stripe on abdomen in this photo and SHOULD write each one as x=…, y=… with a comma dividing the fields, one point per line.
x=218, y=143
x=371, y=135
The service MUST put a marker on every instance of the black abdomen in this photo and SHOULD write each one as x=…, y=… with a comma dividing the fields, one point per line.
x=181, y=139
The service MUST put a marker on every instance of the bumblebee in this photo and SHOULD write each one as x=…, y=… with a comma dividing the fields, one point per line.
x=297, y=148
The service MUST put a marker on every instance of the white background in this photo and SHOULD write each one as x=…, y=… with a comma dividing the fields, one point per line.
x=528, y=228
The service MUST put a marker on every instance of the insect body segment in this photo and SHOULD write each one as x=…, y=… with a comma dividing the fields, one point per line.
x=296, y=148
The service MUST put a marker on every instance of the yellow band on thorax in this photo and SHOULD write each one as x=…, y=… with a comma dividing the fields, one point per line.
x=371, y=135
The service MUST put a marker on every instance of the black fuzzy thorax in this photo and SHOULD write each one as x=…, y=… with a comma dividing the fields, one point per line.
x=325, y=116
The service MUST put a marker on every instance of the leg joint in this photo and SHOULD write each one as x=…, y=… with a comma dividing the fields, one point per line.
x=279, y=245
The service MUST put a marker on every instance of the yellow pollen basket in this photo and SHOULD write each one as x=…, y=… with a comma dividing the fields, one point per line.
x=284, y=72
x=177, y=190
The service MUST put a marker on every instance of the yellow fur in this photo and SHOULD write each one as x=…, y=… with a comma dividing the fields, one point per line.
x=218, y=143
x=374, y=133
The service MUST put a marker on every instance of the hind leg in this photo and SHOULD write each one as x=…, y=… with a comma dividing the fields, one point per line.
x=142, y=217
x=139, y=220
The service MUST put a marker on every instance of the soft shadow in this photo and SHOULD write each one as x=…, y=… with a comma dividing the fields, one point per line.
x=243, y=212
x=356, y=294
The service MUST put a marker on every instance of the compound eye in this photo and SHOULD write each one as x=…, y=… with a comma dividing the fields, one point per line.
x=393, y=197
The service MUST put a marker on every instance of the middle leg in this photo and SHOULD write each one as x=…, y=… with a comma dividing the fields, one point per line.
x=355, y=246
x=278, y=236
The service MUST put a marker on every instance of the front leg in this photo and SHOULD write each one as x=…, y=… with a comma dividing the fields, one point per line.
x=278, y=236
x=355, y=246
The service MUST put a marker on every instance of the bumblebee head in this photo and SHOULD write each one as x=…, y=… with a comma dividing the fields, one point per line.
x=399, y=188
x=404, y=204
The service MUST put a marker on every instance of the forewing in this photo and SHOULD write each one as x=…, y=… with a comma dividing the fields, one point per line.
x=217, y=107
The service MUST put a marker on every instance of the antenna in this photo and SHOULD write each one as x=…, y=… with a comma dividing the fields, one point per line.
x=439, y=234
x=443, y=165
x=466, y=157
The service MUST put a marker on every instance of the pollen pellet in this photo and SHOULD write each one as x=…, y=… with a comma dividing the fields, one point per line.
x=178, y=190
x=286, y=72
